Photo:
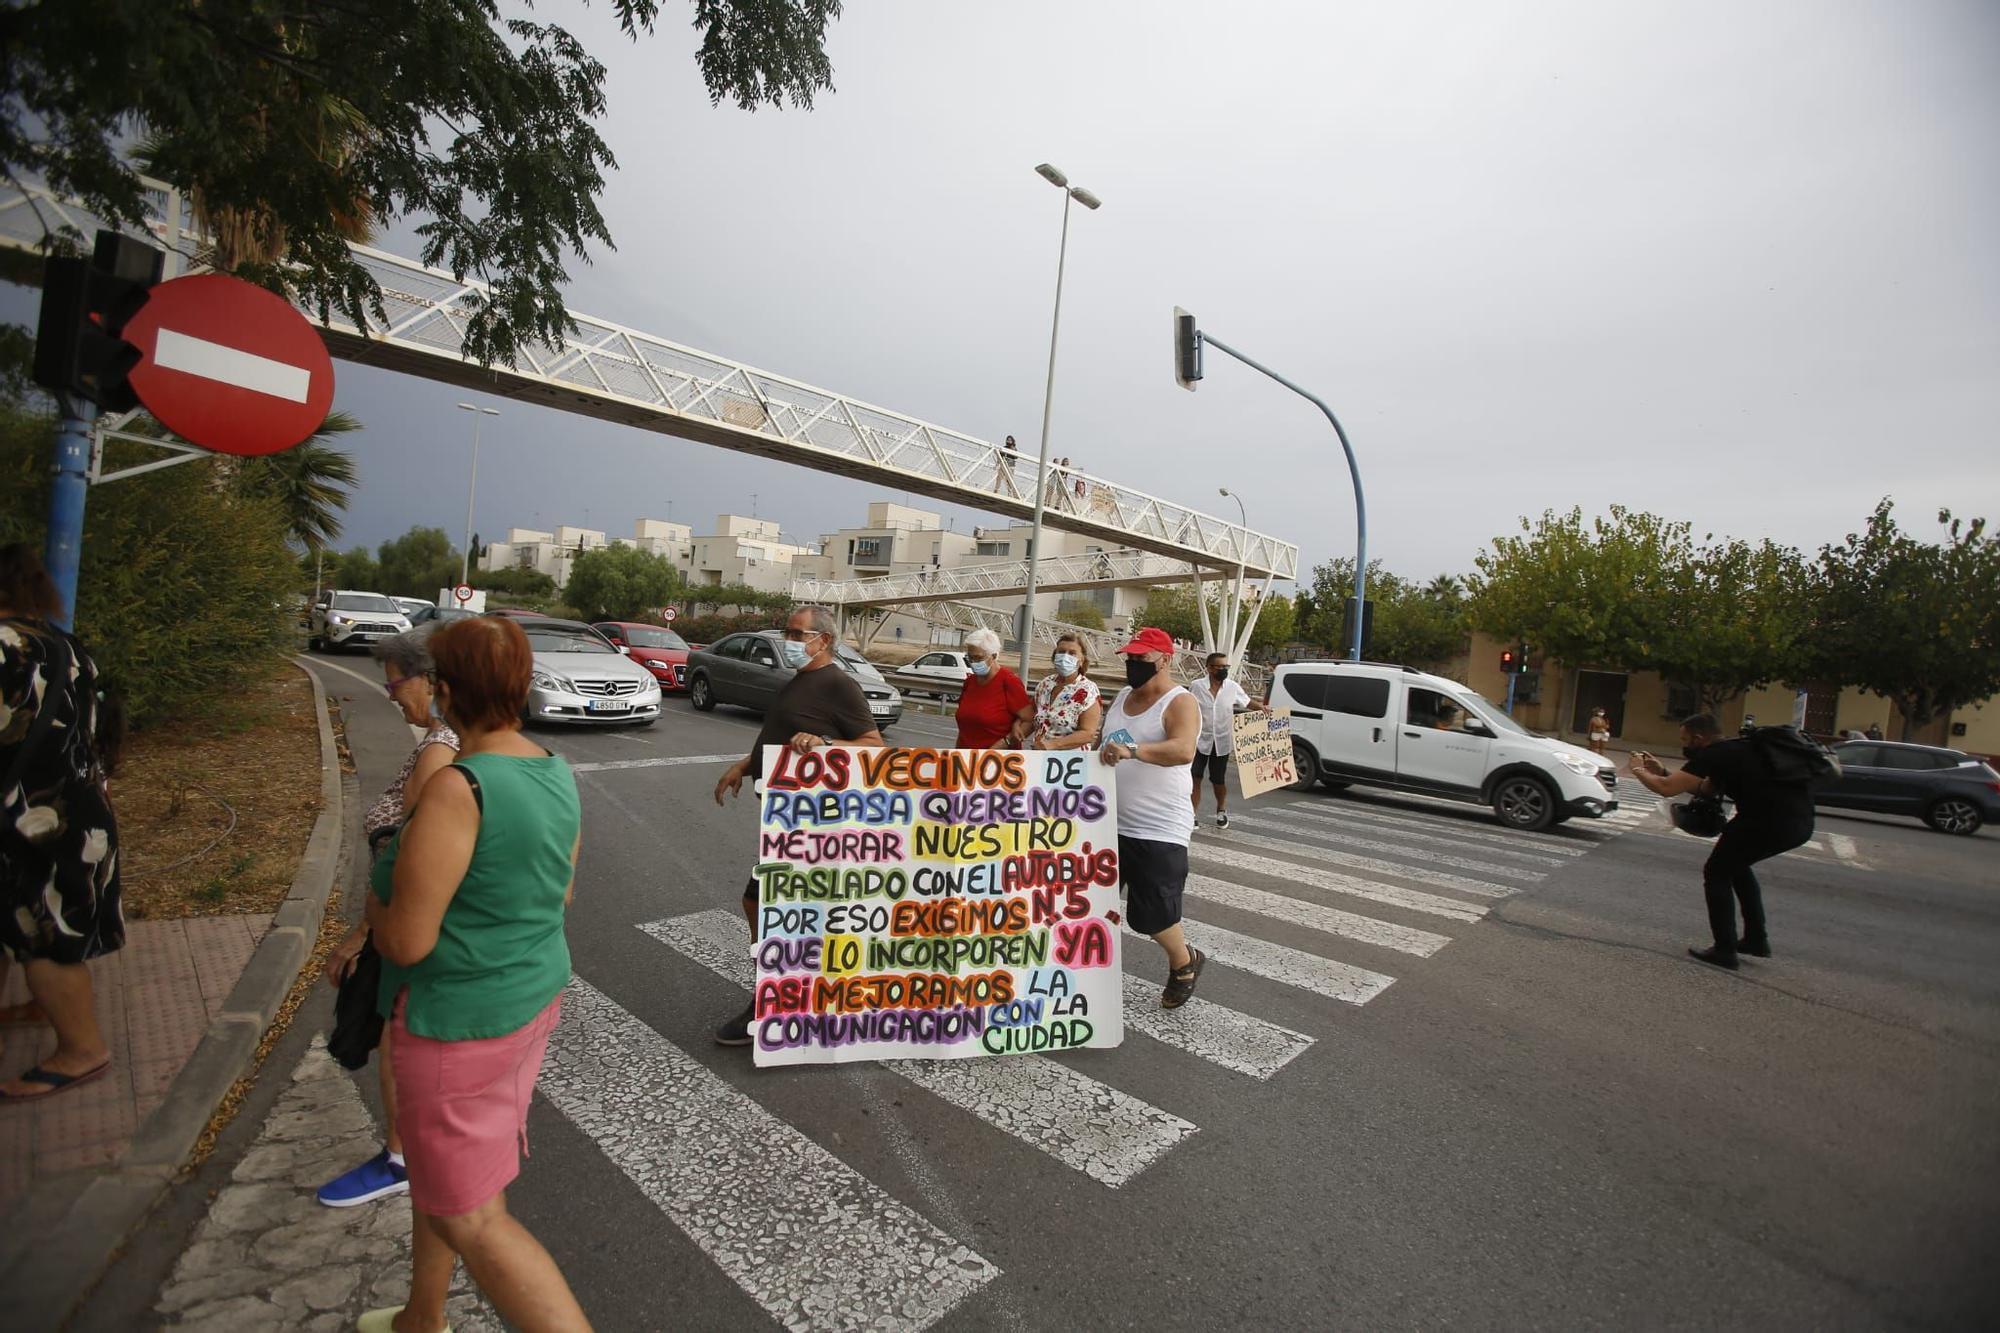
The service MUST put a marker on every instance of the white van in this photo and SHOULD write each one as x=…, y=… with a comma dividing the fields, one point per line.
x=1392, y=726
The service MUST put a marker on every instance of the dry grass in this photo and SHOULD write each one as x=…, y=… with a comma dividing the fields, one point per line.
x=256, y=753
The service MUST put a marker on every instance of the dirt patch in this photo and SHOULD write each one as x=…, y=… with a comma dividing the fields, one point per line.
x=214, y=810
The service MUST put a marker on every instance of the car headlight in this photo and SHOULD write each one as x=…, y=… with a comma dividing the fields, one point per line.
x=333, y=619
x=1577, y=764
x=549, y=680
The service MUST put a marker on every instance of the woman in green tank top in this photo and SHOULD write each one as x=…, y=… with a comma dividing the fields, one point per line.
x=467, y=913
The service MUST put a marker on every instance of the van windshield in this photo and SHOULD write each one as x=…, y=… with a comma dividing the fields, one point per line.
x=1499, y=720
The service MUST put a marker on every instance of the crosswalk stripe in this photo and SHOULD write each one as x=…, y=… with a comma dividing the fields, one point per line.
x=1484, y=834
x=806, y=1236
x=667, y=761
x=1206, y=842
x=1088, y=1126
x=1287, y=966
x=1333, y=921
x=1213, y=1032
x=1393, y=895
x=1302, y=828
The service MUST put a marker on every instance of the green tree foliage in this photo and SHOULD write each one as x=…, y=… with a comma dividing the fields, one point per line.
x=1915, y=621
x=355, y=571
x=514, y=582
x=741, y=596
x=1419, y=625
x=298, y=125
x=1736, y=616
x=311, y=483
x=185, y=585
x=620, y=583
x=1081, y=611
x=1276, y=627
x=418, y=563
x=1173, y=609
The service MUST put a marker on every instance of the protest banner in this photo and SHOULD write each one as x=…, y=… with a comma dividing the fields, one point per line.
x=1264, y=751
x=935, y=904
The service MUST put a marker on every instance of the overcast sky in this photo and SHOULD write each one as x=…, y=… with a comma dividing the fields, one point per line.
x=1734, y=263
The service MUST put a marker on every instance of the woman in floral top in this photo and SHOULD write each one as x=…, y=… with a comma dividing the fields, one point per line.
x=59, y=900
x=406, y=677
x=1068, y=710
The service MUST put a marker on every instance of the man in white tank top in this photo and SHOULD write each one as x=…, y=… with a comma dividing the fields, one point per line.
x=1151, y=730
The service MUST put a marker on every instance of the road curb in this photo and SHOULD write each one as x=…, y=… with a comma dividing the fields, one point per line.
x=82, y=1231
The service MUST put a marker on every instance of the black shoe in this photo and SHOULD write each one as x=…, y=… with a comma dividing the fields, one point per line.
x=736, y=1032
x=1755, y=948
x=1180, y=981
x=1715, y=956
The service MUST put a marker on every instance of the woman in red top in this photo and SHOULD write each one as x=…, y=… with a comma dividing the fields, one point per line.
x=993, y=699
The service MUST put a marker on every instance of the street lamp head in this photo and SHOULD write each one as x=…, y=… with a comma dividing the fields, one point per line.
x=1222, y=490
x=489, y=411
x=1052, y=176
x=1086, y=198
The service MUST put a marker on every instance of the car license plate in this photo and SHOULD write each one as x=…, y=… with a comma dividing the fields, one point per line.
x=610, y=706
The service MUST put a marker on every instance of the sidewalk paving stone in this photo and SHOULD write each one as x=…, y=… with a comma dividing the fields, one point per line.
x=268, y=1255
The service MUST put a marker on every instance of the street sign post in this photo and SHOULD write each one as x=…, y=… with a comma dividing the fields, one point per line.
x=463, y=592
x=668, y=614
x=229, y=366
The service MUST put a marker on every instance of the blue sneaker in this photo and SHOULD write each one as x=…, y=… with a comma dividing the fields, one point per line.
x=376, y=1178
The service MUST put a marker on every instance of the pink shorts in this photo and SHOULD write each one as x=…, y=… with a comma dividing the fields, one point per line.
x=462, y=1108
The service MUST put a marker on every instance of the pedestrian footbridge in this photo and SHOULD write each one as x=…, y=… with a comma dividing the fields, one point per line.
x=1009, y=578
x=613, y=373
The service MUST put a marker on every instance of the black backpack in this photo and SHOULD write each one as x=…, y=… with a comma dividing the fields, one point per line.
x=1793, y=757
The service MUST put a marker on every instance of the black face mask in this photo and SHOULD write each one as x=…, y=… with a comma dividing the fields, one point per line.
x=1220, y=674
x=1687, y=752
x=1138, y=671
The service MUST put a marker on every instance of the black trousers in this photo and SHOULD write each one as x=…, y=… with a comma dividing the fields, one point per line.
x=1728, y=881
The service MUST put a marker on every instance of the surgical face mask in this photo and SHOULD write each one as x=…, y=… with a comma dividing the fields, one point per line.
x=1065, y=664
x=1220, y=673
x=796, y=655
x=1138, y=671
x=979, y=668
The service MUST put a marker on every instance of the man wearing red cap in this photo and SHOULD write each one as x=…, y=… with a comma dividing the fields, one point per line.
x=1151, y=729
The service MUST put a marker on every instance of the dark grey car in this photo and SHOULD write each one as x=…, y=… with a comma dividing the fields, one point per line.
x=1950, y=790
x=747, y=669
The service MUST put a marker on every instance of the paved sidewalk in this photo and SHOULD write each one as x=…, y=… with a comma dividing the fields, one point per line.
x=155, y=999
x=269, y=1256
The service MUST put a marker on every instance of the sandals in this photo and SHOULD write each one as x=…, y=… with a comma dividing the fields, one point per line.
x=56, y=1083
x=1180, y=981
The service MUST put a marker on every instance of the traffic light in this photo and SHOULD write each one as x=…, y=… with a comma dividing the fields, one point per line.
x=85, y=306
x=1187, y=350
x=1510, y=662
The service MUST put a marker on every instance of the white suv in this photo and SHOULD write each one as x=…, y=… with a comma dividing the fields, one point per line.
x=355, y=618
x=1392, y=726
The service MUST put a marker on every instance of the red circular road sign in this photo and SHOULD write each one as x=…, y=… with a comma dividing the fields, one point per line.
x=229, y=366
x=463, y=592
x=668, y=614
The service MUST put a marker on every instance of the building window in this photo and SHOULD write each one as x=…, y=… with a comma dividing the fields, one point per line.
x=867, y=550
x=991, y=548
x=1682, y=701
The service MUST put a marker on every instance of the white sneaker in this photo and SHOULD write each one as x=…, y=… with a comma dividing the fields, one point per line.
x=1222, y=821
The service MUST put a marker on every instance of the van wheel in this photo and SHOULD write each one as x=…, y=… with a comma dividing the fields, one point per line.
x=1305, y=763
x=1952, y=815
x=700, y=695
x=1524, y=803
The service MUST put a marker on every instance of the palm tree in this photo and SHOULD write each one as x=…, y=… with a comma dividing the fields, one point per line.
x=311, y=483
x=1446, y=588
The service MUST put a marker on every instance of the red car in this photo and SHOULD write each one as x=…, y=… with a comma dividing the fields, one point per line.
x=660, y=651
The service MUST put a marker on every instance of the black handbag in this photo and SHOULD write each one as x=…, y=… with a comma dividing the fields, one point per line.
x=1703, y=816
x=357, y=1023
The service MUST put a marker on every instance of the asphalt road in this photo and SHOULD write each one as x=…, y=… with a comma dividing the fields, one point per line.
x=1447, y=1075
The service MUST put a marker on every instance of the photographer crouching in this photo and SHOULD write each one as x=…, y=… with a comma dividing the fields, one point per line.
x=1773, y=815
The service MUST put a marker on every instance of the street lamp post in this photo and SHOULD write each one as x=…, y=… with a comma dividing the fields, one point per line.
x=1229, y=632
x=1090, y=201
x=472, y=487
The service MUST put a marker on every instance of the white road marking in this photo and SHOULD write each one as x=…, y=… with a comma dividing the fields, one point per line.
x=1301, y=828
x=669, y=761
x=1844, y=847
x=231, y=365
x=1347, y=814
x=805, y=1235
x=1086, y=1125
x=1216, y=1034
x=1331, y=920
x=1222, y=853
x=1290, y=967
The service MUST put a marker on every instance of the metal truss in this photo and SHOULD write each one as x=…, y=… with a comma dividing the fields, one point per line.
x=1069, y=573
x=618, y=374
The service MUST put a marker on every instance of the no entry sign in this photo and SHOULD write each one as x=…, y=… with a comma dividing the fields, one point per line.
x=229, y=366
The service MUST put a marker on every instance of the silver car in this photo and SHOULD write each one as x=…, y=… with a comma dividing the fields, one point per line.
x=580, y=677
x=349, y=619
x=747, y=669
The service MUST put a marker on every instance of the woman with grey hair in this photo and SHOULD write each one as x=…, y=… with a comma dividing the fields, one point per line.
x=993, y=703
x=408, y=680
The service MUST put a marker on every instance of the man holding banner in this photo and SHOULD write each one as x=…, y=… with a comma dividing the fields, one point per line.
x=1151, y=729
x=820, y=705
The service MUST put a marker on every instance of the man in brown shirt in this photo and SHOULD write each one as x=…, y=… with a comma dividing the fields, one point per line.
x=820, y=705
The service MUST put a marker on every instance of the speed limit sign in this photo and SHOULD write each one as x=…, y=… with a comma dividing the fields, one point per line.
x=463, y=592
x=668, y=614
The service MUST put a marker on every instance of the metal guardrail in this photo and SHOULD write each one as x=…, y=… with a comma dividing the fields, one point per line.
x=1008, y=578
x=607, y=371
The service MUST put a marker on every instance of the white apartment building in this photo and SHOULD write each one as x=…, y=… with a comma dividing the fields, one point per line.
x=740, y=550
x=744, y=550
x=550, y=553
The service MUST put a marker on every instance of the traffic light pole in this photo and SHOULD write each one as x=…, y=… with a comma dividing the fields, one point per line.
x=1353, y=471
x=1512, y=677
x=67, y=494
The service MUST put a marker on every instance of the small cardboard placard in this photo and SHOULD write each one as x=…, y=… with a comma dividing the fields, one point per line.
x=1264, y=751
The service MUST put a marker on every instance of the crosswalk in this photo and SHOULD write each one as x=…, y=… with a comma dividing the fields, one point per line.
x=1325, y=902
